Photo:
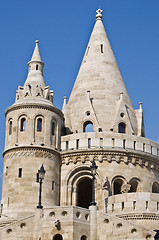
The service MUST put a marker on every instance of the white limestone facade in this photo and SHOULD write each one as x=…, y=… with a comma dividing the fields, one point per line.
x=98, y=123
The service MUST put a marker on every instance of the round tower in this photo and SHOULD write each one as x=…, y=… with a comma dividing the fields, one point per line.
x=107, y=129
x=33, y=131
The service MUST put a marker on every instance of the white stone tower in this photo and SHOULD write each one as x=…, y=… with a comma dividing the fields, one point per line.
x=33, y=131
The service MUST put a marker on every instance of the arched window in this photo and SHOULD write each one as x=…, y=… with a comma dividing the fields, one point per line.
x=22, y=125
x=58, y=237
x=88, y=126
x=122, y=127
x=53, y=128
x=84, y=193
x=83, y=237
x=155, y=187
x=39, y=125
x=10, y=127
x=134, y=185
x=117, y=186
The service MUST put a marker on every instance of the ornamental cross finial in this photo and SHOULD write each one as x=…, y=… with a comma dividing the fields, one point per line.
x=99, y=14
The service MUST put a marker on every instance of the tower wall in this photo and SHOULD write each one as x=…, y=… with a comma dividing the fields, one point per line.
x=27, y=147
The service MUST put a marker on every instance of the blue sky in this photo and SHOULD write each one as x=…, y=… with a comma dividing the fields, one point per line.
x=63, y=29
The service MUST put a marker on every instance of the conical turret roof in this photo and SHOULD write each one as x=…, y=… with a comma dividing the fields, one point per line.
x=96, y=93
x=35, y=89
x=36, y=54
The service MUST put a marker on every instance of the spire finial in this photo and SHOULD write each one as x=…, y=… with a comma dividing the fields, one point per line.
x=99, y=15
x=36, y=53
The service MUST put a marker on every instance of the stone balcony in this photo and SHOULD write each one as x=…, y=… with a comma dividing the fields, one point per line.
x=105, y=140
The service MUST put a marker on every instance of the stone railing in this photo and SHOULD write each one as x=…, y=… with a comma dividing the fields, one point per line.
x=138, y=204
x=82, y=141
x=67, y=213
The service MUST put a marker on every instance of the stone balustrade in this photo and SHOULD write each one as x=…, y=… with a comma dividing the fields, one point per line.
x=81, y=141
x=138, y=204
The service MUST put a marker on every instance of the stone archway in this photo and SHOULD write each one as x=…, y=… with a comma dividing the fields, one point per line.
x=84, y=193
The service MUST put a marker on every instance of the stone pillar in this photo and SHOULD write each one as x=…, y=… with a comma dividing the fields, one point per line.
x=93, y=222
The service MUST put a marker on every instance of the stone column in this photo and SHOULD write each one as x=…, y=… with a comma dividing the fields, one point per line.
x=93, y=222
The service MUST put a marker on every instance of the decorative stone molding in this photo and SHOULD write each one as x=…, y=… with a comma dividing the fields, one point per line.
x=140, y=216
x=142, y=160
x=46, y=106
x=30, y=152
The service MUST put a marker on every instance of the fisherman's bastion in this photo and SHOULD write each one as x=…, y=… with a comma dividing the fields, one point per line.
x=84, y=173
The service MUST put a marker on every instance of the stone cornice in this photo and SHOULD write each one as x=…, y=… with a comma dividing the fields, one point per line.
x=109, y=155
x=51, y=108
x=30, y=151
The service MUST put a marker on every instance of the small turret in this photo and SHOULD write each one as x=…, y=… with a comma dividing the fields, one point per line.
x=33, y=132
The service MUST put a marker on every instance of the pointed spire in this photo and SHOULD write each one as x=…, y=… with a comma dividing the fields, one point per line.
x=99, y=74
x=36, y=54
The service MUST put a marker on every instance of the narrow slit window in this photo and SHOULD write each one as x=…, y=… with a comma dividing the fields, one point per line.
x=6, y=171
x=20, y=173
x=112, y=207
x=37, y=67
x=39, y=125
x=77, y=143
x=134, y=205
x=53, y=129
x=53, y=185
x=122, y=206
x=124, y=143
x=101, y=47
x=146, y=205
x=10, y=127
x=89, y=142
x=143, y=147
x=157, y=206
x=101, y=142
x=66, y=145
x=112, y=142
x=151, y=150
x=134, y=145
x=23, y=125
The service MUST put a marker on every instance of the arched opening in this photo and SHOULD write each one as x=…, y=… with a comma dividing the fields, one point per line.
x=84, y=193
x=83, y=237
x=23, y=125
x=53, y=128
x=122, y=127
x=88, y=126
x=155, y=187
x=10, y=127
x=39, y=125
x=134, y=185
x=117, y=186
x=58, y=237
